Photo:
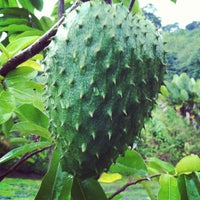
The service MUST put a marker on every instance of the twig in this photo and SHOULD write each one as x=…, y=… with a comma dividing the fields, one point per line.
x=23, y=159
x=108, y=1
x=131, y=5
x=61, y=8
x=124, y=187
x=35, y=48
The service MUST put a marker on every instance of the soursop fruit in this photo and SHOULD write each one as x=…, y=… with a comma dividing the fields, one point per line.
x=104, y=68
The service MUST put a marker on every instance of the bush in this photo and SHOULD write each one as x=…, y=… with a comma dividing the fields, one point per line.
x=167, y=135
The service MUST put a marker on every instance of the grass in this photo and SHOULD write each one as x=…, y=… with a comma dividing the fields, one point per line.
x=18, y=189
x=26, y=189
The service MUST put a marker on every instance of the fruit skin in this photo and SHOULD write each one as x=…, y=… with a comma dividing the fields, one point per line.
x=104, y=68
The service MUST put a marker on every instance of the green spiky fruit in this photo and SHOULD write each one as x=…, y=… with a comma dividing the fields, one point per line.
x=104, y=70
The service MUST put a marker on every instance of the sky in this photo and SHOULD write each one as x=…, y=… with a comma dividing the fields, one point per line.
x=183, y=11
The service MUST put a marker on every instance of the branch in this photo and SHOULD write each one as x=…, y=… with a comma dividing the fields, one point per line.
x=23, y=159
x=123, y=188
x=61, y=8
x=131, y=5
x=35, y=48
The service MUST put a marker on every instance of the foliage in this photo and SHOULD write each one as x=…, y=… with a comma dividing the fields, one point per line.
x=149, y=12
x=183, y=53
x=183, y=93
x=167, y=135
x=193, y=25
x=174, y=181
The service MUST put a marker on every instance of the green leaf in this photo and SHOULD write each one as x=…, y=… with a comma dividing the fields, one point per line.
x=188, y=165
x=130, y=164
x=56, y=185
x=109, y=178
x=19, y=151
x=88, y=189
x=7, y=106
x=168, y=188
x=27, y=4
x=13, y=28
x=174, y=1
x=182, y=187
x=38, y=4
x=46, y=23
x=20, y=73
x=27, y=112
x=193, y=186
x=189, y=186
x=8, y=21
x=19, y=44
x=160, y=166
x=27, y=128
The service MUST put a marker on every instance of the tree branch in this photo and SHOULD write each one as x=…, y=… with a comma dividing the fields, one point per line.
x=124, y=187
x=131, y=5
x=23, y=159
x=35, y=48
x=61, y=8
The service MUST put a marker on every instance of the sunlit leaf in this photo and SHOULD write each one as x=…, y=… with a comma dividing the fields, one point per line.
x=7, y=21
x=19, y=151
x=109, y=177
x=188, y=164
x=168, y=188
x=7, y=106
x=160, y=166
x=32, y=64
x=20, y=44
x=130, y=164
x=21, y=73
x=27, y=4
x=28, y=127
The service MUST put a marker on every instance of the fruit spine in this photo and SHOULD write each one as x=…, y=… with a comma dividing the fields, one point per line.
x=104, y=69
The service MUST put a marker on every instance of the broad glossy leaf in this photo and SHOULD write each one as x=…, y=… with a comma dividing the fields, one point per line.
x=189, y=186
x=28, y=33
x=27, y=4
x=168, y=188
x=46, y=23
x=28, y=127
x=13, y=3
x=9, y=12
x=56, y=185
x=160, y=166
x=7, y=21
x=182, y=187
x=20, y=43
x=109, y=177
x=20, y=151
x=27, y=112
x=21, y=73
x=13, y=28
x=6, y=127
x=7, y=106
x=130, y=164
x=193, y=186
x=38, y=4
x=31, y=64
x=88, y=189
x=188, y=164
